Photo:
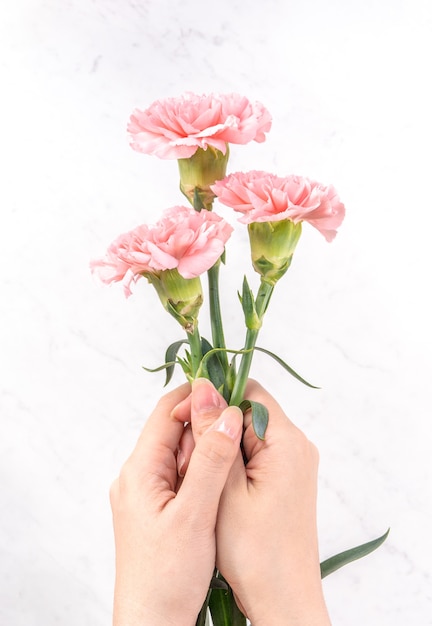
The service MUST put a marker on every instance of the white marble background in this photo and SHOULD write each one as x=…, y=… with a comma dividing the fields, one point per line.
x=348, y=84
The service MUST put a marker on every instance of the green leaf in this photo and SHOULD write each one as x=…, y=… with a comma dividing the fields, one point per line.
x=259, y=416
x=170, y=358
x=218, y=583
x=228, y=379
x=212, y=365
x=197, y=201
x=224, y=610
x=286, y=367
x=247, y=300
x=202, y=616
x=160, y=368
x=185, y=365
x=343, y=558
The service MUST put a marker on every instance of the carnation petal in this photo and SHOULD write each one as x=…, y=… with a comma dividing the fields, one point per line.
x=174, y=128
x=183, y=238
x=160, y=259
x=262, y=197
x=196, y=263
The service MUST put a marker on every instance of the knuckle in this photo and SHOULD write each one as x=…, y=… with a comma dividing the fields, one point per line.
x=205, y=419
x=217, y=449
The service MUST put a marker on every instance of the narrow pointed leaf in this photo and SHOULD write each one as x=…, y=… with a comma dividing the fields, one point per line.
x=343, y=558
x=259, y=416
x=224, y=610
x=161, y=367
x=213, y=364
x=170, y=358
x=197, y=201
x=218, y=583
x=286, y=367
x=202, y=617
x=247, y=300
x=185, y=365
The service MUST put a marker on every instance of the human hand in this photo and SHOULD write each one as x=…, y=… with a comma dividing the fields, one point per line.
x=164, y=525
x=267, y=547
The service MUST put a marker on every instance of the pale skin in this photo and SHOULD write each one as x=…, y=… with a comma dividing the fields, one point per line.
x=185, y=500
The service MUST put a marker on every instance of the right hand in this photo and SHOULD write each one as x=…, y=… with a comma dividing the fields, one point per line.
x=266, y=534
x=267, y=545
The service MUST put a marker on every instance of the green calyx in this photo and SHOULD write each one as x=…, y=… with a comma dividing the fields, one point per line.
x=200, y=171
x=181, y=297
x=272, y=247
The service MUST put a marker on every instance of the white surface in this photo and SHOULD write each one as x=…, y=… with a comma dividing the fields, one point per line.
x=348, y=84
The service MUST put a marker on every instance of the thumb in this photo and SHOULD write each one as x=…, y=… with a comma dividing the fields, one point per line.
x=210, y=464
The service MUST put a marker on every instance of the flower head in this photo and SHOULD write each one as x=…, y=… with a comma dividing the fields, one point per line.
x=184, y=239
x=171, y=255
x=174, y=128
x=263, y=197
x=274, y=209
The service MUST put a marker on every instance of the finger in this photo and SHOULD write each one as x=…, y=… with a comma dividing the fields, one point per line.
x=185, y=449
x=157, y=445
x=182, y=410
x=206, y=406
x=210, y=464
x=161, y=429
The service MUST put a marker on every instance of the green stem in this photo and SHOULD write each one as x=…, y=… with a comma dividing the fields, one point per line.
x=215, y=314
x=245, y=365
x=213, y=283
x=195, y=348
x=261, y=303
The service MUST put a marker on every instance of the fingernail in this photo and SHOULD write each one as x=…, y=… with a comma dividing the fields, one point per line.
x=230, y=422
x=205, y=396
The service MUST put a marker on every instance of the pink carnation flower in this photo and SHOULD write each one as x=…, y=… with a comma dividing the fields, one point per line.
x=263, y=197
x=183, y=239
x=174, y=128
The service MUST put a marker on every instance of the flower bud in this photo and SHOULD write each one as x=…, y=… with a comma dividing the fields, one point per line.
x=181, y=297
x=272, y=247
x=200, y=171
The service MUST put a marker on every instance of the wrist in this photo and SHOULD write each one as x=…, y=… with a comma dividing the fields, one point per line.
x=294, y=599
x=291, y=610
x=130, y=610
x=131, y=615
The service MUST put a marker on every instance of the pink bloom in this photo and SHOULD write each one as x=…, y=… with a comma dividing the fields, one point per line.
x=174, y=128
x=183, y=239
x=263, y=197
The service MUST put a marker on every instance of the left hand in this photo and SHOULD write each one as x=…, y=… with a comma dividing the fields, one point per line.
x=164, y=525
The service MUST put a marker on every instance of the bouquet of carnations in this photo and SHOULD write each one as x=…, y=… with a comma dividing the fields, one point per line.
x=188, y=242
